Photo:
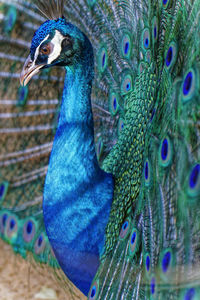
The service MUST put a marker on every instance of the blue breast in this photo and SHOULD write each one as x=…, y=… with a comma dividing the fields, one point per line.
x=78, y=194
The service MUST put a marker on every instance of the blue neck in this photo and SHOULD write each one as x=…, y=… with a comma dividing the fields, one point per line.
x=76, y=104
x=77, y=193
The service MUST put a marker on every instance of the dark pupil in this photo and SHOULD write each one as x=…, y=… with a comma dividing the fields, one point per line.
x=125, y=225
x=115, y=103
x=40, y=241
x=169, y=56
x=194, y=176
x=164, y=150
x=133, y=238
x=29, y=227
x=126, y=48
x=93, y=292
x=148, y=263
x=187, y=83
x=103, y=59
x=155, y=32
x=166, y=261
x=45, y=50
x=12, y=224
x=2, y=190
x=146, y=171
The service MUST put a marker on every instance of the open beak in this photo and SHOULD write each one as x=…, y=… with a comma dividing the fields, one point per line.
x=29, y=70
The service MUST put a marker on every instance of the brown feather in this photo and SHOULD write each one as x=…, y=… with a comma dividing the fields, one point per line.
x=51, y=9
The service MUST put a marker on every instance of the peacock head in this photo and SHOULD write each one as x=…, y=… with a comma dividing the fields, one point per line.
x=60, y=43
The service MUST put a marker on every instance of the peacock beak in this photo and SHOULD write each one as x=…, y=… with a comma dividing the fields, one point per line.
x=29, y=70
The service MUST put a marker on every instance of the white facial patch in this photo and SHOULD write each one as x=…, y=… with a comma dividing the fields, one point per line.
x=56, y=41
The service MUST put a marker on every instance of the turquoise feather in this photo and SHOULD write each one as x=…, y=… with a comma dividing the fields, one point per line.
x=145, y=105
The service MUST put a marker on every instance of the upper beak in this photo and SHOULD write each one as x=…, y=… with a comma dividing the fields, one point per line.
x=29, y=70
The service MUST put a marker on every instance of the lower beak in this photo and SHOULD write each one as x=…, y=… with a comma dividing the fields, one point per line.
x=29, y=70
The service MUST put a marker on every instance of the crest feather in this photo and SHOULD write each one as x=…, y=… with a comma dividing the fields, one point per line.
x=51, y=9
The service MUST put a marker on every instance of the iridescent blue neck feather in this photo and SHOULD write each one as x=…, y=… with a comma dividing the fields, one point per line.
x=77, y=193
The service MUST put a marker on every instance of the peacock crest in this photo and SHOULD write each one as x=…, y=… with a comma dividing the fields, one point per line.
x=51, y=9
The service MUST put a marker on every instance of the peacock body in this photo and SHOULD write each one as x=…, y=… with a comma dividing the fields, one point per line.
x=130, y=229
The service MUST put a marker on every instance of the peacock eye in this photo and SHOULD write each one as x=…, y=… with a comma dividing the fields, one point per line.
x=46, y=49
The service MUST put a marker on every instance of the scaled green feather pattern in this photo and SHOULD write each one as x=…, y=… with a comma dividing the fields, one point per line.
x=126, y=158
x=146, y=109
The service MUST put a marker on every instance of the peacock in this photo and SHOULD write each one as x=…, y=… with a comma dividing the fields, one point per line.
x=100, y=156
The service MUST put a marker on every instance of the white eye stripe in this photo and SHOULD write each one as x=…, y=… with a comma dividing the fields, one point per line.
x=56, y=41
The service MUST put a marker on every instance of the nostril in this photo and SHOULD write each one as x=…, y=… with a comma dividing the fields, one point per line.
x=29, y=64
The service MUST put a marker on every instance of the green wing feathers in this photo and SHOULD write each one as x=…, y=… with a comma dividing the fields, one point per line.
x=147, y=131
x=156, y=253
